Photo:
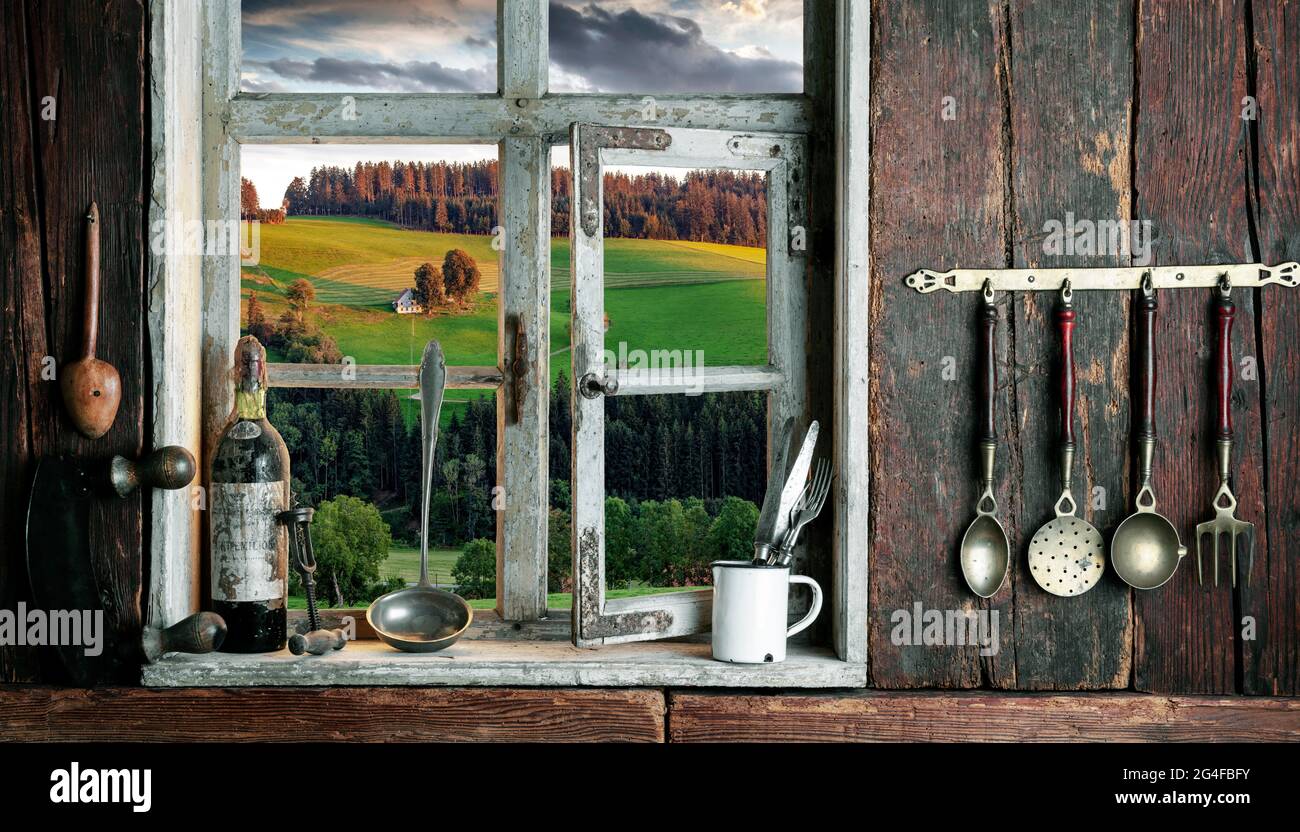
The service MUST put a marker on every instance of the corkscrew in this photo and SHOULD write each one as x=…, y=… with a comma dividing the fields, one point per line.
x=316, y=641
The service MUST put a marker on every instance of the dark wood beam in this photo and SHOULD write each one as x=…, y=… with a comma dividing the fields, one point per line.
x=43, y=714
x=980, y=717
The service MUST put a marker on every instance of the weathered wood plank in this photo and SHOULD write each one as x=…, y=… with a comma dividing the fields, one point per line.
x=1070, y=83
x=25, y=399
x=523, y=443
x=523, y=48
x=937, y=201
x=1188, y=182
x=376, y=376
x=1271, y=661
x=851, y=329
x=174, y=297
x=294, y=118
x=979, y=717
x=78, y=75
x=494, y=662
x=38, y=714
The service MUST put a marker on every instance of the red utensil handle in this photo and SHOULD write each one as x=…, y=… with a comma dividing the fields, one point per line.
x=1065, y=324
x=988, y=377
x=1146, y=363
x=1227, y=311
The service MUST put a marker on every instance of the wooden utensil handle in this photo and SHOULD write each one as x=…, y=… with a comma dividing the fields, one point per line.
x=200, y=633
x=317, y=642
x=1227, y=311
x=1065, y=325
x=170, y=467
x=90, y=321
x=988, y=376
x=1146, y=364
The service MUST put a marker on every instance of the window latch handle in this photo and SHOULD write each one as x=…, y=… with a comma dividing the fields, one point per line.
x=593, y=385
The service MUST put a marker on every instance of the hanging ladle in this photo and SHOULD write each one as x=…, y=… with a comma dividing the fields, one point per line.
x=1145, y=550
x=423, y=618
x=984, y=548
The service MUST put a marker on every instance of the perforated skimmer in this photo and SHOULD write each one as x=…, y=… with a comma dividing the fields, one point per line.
x=1066, y=553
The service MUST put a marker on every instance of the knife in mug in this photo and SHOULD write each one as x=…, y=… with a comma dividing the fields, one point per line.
x=777, y=504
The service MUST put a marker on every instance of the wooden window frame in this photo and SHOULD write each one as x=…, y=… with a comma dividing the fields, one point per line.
x=197, y=168
x=783, y=160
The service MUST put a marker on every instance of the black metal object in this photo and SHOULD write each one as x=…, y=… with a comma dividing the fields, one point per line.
x=299, y=522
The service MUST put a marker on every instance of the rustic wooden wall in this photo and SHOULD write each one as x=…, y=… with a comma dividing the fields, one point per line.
x=1123, y=109
x=1120, y=109
x=89, y=57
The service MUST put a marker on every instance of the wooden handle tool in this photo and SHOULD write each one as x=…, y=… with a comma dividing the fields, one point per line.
x=92, y=389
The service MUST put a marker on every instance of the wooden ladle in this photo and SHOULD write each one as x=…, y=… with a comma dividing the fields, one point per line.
x=92, y=389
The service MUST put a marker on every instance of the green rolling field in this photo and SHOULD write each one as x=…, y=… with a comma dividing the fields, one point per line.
x=659, y=294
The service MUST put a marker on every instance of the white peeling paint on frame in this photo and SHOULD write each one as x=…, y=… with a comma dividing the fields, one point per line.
x=174, y=304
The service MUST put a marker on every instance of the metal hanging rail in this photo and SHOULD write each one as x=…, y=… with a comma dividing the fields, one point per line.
x=1241, y=275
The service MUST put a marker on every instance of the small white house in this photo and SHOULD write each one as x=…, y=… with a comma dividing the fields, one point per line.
x=406, y=303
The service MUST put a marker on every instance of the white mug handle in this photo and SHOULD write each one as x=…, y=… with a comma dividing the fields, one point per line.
x=802, y=624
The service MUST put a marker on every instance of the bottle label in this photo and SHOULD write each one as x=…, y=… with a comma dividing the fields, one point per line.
x=250, y=548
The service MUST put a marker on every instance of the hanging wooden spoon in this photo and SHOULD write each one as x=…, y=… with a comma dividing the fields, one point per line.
x=92, y=389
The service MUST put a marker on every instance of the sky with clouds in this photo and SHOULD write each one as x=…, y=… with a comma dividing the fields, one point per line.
x=632, y=46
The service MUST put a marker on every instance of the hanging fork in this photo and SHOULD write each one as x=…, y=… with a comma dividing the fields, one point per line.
x=1224, y=503
x=805, y=510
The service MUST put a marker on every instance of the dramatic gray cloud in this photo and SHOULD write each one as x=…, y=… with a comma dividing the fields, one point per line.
x=630, y=51
x=429, y=76
x=366, y=45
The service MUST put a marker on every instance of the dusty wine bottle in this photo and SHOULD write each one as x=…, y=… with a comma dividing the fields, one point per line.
x=250, y=486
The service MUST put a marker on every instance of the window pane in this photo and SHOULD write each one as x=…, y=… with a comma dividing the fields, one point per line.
x=684, y=477
x=667, y=46
x=369, y=46
x=343, y=231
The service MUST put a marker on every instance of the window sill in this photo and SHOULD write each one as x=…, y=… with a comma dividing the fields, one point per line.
x=509, y=663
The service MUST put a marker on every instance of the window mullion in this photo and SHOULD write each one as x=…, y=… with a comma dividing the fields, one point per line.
x=523, y=431
x=522, y=48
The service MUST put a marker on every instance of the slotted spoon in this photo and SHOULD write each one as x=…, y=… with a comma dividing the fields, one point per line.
x=1065, y=555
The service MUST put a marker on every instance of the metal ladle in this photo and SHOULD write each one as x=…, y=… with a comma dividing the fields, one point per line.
x=984, y=548
x=1145, y=550
x=422, y=618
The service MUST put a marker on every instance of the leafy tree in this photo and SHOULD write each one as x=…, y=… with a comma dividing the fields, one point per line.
x=351, y=540
x=460, y=275
x=300, y=296
x=430, y=291
x=247, y=200
x=731, y=537
x=295, y=196
x=620, y=543
x=258, y=326
x=475, y=572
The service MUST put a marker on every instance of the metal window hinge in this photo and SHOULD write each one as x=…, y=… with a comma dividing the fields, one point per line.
x=595, y=137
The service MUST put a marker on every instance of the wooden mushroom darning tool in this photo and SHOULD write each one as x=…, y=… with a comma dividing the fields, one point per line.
x=1224, y=502
x=92, y=389
x=202, y=632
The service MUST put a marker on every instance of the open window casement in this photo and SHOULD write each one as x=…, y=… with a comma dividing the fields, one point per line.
x=597, y=620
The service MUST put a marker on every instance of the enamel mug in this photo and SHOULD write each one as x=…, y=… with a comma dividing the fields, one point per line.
x=750, y=607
